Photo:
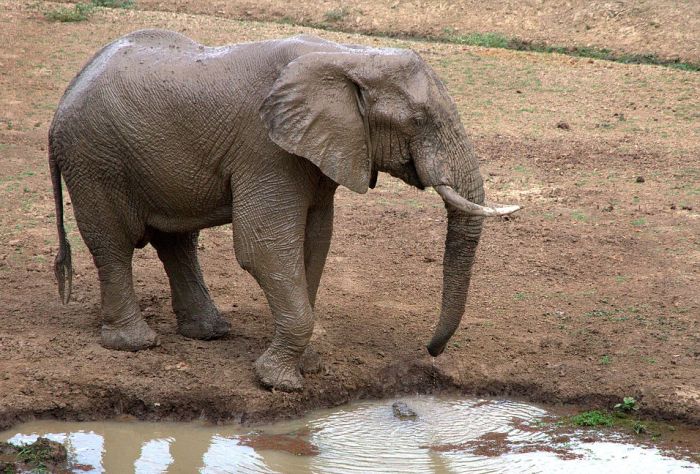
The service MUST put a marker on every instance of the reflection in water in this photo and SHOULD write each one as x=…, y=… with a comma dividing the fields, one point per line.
x=362, y=437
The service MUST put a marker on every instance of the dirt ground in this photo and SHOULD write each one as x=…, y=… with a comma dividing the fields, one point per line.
x=588, y=295
x=667, y=28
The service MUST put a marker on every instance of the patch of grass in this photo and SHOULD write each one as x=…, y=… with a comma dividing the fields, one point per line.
x=114, y=3
x=79, y=12
x=29, y=454
x=592, y=418
x=606, y=360
x=621, y=278
x=486, y=40
x=579, y=216
x=497, y=40
x=627, y=405
x=18, y=177
x=601, y=313
x=520, y=296
x=639, y=222
x=42, y=456
x=639, y=428
x=336, y=15
x=82, y=11
x=608, y=314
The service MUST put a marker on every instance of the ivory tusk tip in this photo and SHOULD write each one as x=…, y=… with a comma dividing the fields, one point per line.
x=505, y=210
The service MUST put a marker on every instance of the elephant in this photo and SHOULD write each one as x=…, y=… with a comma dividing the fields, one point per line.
x=158, y=137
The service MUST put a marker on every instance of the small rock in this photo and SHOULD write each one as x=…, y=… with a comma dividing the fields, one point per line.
x=685, y=207
x=640, y=179
x=403, y=411
x=563, y=126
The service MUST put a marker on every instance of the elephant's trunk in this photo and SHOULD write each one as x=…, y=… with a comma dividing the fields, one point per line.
x=449, y=165
x=464, y=200
x=463, y=233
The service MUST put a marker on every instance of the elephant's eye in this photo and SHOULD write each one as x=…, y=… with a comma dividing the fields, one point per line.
x=419, y=120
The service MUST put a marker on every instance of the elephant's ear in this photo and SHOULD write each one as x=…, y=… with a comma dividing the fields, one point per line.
x=316, y=110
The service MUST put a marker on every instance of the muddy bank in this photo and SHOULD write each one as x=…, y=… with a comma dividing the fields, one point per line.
x=41, y=456
x=89, y=402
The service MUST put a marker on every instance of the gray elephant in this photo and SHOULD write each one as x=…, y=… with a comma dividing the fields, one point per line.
x=159, y=137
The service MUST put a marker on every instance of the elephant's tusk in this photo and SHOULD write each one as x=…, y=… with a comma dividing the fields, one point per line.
x=451, y=197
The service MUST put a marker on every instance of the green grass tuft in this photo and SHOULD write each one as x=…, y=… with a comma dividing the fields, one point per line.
x=486, y=40
x=592, y=418
x=79, y=12
x=336, y=15
x=114, y=3
x=82, y=11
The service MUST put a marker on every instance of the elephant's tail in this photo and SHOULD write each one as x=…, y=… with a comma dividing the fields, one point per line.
x=62, y=267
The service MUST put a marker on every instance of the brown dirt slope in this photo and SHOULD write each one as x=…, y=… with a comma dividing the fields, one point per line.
x=667, y=28
x=587, y=295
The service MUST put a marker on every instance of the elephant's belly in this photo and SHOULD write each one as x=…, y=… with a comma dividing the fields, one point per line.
x=188, y=223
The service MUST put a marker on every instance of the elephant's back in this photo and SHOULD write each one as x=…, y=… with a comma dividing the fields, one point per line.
x=166, y=63
x=158, y=93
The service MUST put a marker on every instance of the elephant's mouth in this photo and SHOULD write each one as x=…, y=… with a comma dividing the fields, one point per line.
x=408, y=174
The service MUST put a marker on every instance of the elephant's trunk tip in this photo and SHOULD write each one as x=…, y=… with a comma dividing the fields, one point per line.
x=436, y=348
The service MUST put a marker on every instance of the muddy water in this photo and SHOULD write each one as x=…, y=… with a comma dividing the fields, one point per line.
x=446, y=436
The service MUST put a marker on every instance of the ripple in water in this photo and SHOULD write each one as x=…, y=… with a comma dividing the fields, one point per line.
x=448, y=436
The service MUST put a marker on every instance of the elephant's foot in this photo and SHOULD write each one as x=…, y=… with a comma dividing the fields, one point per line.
x=207, y=326
x=279, y=373
x=311, y=361
x=132, y=337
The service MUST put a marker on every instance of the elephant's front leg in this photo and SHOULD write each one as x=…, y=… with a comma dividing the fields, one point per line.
x=269, y=228
x=317, y=241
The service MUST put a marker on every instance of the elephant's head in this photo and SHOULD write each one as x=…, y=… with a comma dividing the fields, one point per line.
x=358, y=111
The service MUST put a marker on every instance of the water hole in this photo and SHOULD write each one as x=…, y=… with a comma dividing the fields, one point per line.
x=447, y=435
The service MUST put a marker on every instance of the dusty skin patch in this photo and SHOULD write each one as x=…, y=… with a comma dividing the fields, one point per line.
x=587, y=295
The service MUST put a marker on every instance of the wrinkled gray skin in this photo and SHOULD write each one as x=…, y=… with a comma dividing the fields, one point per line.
x=159, y=137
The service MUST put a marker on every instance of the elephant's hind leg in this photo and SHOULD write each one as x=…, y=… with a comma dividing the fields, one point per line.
x=123, y=327
x=197, y=316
